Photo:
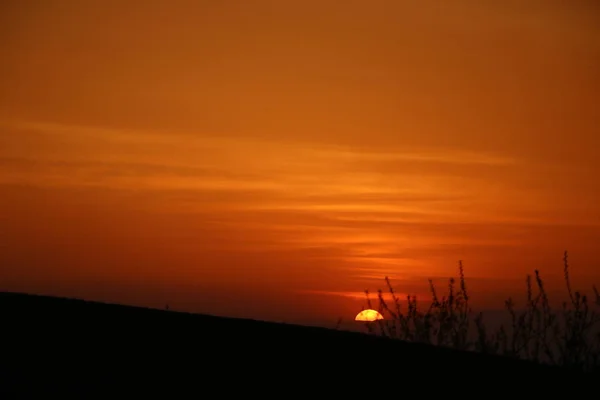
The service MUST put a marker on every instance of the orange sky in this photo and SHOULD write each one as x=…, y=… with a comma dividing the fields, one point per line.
x=273, y=159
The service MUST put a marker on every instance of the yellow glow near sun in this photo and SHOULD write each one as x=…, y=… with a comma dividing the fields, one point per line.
x=368, y=316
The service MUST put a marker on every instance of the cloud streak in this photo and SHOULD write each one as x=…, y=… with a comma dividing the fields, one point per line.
x=299, y=196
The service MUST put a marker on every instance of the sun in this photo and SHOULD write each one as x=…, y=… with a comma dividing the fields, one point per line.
x=368, y=316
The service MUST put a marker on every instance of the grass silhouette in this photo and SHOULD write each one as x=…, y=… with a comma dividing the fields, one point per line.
x=566, y=337
x=60, y=346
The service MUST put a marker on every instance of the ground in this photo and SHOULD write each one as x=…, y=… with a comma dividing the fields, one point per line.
x=73, y=347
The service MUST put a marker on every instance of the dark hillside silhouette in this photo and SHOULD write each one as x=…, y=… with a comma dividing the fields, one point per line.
x=56, y=345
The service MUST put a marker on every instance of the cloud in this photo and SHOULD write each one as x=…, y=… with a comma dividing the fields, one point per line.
x=362, y=213
x=293, y=176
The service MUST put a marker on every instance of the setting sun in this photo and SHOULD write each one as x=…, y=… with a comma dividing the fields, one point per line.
x=368, y=316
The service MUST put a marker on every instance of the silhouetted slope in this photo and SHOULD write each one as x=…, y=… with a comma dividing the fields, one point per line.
x=54, y=344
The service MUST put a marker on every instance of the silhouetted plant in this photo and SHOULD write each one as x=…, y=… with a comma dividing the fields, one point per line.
x=568, y=337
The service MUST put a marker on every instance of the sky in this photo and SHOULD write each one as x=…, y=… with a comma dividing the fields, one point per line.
x=274, y=159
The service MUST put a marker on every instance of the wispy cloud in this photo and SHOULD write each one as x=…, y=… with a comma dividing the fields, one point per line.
x=293, y=176
x=373, y=212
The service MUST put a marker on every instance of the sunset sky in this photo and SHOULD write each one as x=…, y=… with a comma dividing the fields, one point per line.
x=274, y=159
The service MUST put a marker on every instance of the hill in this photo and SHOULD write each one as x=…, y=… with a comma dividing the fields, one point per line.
x=57, y=345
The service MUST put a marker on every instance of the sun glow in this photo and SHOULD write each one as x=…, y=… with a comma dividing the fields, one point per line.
x=368, y=316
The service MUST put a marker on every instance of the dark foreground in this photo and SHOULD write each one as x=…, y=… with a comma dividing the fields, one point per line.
x=71, y=347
